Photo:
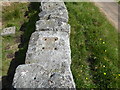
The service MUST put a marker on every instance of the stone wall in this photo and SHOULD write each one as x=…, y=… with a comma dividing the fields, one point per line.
x=48, y=57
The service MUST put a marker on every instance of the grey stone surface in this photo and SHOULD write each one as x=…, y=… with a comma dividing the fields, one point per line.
x=52, y=25
x=37, y=76
x=49, y=47
x=54, y=10
x=8, y=31
x=48, y=58
x=48, y=6
x=61, y=15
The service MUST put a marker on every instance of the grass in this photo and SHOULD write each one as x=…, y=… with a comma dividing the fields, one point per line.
x=94, y=43
x=119, y=2
x=0, y=57
x=11, y=16
x=23, y=18
x=94, y=46
x=17, y=44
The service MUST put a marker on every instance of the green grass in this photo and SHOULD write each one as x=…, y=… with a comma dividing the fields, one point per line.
x=14, y=15
x=94, y=46
x=0, y=56
x=25, y=24
x=118, y=1
x=11, y=16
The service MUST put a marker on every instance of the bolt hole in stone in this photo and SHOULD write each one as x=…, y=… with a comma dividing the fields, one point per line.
x=52, y=75
x=45, y=39
x=34, y=78
x=55, y=48
x=56, y=39
x=43, y=48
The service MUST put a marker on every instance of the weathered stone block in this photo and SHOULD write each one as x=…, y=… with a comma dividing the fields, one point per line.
x=48, y=57
x=52, y=25
x=48, y=6
x=37, y=76
x=60, y=14
x=8, y=31
x=48, y=46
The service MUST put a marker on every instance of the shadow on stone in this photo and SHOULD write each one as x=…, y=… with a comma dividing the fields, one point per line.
x=28, y=28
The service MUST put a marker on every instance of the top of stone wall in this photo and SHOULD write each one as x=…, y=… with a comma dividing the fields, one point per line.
x=48, y=57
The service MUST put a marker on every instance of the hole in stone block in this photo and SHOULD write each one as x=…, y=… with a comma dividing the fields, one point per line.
x=56, y=39
x=48, y=17
x=34, y=78
x=45, y=39
x=52, y=75
x=55, y=48
x=43, y=48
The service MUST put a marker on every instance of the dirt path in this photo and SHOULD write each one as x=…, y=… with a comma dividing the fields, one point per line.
x=110, y=9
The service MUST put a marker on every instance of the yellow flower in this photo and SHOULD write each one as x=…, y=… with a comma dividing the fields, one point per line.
x=103, y=42
x=105, y=50
x=86, y=78
x=100, y=39
x=118, y=74
x=104, y=73
x=103, y=65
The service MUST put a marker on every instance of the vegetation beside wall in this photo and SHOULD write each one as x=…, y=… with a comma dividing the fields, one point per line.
x=23, y=16
x=94, y=45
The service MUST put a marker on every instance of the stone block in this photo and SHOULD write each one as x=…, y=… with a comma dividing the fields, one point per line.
x=48, y=47
x=60, y=14
x=52, y=25
x=37, y=76
x=48, y=6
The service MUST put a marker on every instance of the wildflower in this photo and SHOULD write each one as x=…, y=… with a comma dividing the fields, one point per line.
x=105, y=50
x=86, y=78
x=118, y=74
x=103, y=65
x=104, y=73
x=100, y=39
x=103, y=42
